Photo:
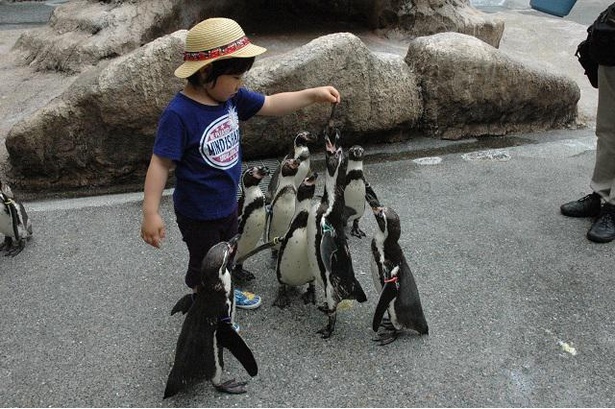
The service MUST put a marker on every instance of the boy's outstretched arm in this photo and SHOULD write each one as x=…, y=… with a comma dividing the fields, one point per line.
x=287, y=102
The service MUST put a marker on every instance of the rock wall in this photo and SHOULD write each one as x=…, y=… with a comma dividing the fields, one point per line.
x=472, y=89
x=101, y=130
x=450, y=85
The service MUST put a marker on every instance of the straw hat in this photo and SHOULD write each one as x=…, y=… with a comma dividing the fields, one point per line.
x=215, y=39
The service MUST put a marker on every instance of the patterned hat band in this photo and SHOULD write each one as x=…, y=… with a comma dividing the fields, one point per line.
x=218, y=51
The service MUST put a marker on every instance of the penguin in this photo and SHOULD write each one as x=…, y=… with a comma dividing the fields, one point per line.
x=292, y=267
x=15, y=224
x=399, y=295
x=252, y=217
x=328, y=251
x=207, y=328
x=301, y=152
x=282, y=206
x=354, y=190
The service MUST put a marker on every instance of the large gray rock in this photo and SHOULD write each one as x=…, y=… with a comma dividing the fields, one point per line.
x=426, y=17
x=101, y=130
x=380, y=93
x=472, y=89
x=81, y=33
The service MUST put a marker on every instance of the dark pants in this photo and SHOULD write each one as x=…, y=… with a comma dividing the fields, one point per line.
x=200, y=236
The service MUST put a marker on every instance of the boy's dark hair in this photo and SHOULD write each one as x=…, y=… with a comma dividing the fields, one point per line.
x=229, y=66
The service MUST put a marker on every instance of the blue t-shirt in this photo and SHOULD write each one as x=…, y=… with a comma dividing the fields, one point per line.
x=205, y=144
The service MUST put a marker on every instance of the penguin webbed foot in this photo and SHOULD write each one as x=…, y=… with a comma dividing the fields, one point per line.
x=231, y=386
x=356, y=230
x=386, y=337
x=6, y=244
x=283, y=299
x=239, y=275
x=309, y=296
x=327, y=331
x=12, y=251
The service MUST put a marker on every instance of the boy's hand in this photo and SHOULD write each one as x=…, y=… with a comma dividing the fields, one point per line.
x=327, y=94
x=153, y=230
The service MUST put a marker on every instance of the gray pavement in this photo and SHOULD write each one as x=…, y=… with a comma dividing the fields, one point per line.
x=519, y=303
x=28, y=13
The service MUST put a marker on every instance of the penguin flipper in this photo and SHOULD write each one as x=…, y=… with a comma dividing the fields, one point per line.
x=273, y=184
x=183, y=305
x=388, y=293
x=370, y=196
x=231, y=340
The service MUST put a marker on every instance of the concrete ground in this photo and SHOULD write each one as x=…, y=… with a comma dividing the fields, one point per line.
x=518, y=301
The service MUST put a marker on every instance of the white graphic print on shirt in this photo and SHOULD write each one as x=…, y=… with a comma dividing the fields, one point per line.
x=220, y=141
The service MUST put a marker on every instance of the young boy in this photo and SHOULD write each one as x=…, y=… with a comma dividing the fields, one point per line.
x=198, y=136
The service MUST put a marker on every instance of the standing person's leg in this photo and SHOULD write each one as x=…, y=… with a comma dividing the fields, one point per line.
x=603, y=179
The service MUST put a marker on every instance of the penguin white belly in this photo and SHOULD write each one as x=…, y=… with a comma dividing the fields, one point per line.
x=393, y=314
x=6, y=224
x=252, y=232
x=354, y=197
x=302, y=172
x=312, y=248
x=281, y=215
x=294, y=266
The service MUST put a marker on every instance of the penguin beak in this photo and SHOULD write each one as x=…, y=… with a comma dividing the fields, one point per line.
x=232, y=243
x=328, y=145
x=310, y=180
x=232, y=246
x=262, y=171
x=311, y=138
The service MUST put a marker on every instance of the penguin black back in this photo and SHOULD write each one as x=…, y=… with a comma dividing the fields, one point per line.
x=207, y=329
x=395, y=276
x=333, y=257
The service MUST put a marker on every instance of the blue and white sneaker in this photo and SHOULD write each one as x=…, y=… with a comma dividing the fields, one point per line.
x=247, y=300
x=236, y=326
